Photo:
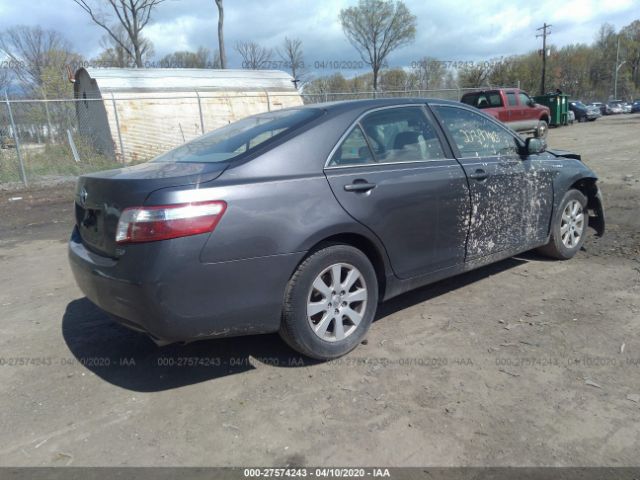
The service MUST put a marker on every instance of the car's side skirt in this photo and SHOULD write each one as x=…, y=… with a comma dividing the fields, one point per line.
x=397, y=286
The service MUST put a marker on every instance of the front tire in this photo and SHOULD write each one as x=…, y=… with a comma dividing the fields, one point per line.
x=330, y=302
x=569, y=227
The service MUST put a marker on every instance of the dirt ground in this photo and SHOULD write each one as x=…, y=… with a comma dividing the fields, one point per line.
x=526, y=362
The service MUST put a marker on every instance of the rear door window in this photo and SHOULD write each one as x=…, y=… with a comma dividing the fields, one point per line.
x=402, y=134
x=354, y=150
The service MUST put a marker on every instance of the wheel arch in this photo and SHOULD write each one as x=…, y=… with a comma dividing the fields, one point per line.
x=589, y=188
x=374, y=252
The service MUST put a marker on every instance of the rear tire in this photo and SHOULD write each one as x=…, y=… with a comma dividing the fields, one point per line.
x=569, y=227
x=330, y=302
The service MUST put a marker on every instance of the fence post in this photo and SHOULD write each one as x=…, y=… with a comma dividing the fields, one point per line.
x=115, y=112
x=16, y=139
x=46, y=109
x=268, y=99
x=72, y=144
x=200, y=110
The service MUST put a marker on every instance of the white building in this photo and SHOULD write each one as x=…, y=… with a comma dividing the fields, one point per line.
x=136, y=114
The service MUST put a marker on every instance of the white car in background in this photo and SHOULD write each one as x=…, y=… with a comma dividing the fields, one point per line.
x=618, y=106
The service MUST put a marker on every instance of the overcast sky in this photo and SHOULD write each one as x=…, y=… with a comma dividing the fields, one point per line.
x=447, y=29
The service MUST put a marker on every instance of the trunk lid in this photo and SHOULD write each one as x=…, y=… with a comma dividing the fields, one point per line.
x=100, y=197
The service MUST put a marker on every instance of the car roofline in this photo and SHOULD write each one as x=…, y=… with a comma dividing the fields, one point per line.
x=342, y=106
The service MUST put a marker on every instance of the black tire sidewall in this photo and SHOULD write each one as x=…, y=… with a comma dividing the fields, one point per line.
x=563, y=251
x=298, y=331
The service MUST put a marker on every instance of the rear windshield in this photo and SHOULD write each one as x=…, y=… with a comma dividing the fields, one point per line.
x=483, y=99
x=240, y=137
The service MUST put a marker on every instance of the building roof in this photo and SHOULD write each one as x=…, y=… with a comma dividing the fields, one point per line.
x=181, y=79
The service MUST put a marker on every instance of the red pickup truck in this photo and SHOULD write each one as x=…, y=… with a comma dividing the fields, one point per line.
x=513, y=107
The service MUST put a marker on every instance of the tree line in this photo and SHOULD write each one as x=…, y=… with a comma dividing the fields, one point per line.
x=37, y=60
x=584, y=71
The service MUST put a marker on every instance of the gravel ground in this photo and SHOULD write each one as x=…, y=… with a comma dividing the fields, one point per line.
x=526, y=362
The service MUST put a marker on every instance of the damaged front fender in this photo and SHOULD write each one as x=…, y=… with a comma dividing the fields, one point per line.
x=596, y=212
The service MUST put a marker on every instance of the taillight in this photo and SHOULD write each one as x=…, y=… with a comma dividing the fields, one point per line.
x=149, y=224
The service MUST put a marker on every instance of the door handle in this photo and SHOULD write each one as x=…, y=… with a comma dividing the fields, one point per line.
x=479, y=175
x=359, y=186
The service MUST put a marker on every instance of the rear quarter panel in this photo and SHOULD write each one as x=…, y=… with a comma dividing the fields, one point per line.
x=269, y=217
x=278, y=203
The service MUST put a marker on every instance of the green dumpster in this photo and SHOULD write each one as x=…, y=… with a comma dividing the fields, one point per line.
x=558, y=103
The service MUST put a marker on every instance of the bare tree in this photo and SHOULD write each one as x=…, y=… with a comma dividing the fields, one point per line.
x=291, y=53
x=132, y=15
x=429, y=73
x=254, y=56
x=114, y=55
x=28, y=49
x=202, y=58
x=223, y=54
x=5, y=79
x=376, y=28
x=476, y=75
x=631, y=43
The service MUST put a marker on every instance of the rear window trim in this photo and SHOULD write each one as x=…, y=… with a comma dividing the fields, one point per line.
x=262, y=147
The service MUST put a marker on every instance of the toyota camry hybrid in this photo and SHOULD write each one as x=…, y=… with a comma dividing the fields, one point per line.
x=300, y=221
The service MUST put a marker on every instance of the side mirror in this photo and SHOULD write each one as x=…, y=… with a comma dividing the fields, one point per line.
x=533, y=146
x=531, y=103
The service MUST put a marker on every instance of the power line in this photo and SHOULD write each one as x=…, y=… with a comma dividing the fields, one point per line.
x=544, y=34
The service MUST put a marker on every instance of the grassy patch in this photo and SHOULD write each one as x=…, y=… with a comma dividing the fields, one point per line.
x=42, y=161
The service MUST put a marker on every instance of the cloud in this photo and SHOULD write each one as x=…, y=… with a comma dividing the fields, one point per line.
x=447, y=29
x=176, y=34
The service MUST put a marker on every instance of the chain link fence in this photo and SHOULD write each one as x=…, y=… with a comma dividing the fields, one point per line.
x=53, y=141
x=40, y=143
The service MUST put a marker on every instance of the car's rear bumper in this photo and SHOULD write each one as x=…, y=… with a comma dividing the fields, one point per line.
x=159, y=289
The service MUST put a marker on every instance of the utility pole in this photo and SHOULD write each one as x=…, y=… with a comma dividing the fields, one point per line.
x=544, y=34
x=615, y=74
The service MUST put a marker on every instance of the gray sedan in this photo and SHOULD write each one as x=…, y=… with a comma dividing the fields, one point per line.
x=301, y=221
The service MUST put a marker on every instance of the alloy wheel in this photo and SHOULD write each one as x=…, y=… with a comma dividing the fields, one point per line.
x=337, y=302
x=572, y=224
